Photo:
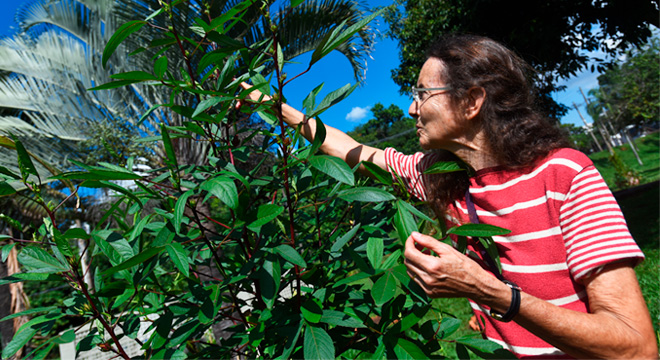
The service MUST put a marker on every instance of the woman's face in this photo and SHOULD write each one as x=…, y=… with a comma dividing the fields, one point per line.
x=439, y=124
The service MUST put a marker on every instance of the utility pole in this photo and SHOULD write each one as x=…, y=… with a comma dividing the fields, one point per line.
x=603, y=129
x=589, y=130
x=609, y=145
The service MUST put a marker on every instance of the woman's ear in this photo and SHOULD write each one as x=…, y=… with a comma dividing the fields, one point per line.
x=474, y=101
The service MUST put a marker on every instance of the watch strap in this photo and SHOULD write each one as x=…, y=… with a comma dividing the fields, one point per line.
x=514, y=307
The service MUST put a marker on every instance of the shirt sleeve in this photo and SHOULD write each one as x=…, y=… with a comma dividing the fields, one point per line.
x=594, y=229
x=410, y=168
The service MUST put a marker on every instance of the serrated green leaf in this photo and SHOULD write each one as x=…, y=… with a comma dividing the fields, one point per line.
x=378, y=172
x=384, y=288
x=134, y=75
x=113, y=85
x=135, y=260
x=443, y=167
x=31, y=276
x=310, y=100
x=170, y=160
x=405, y=349
x=29, y=312
x=179, y=256
x=269, y=278
x=365, y=194
x=375, y=247
x=180, y=208
x=208, y=103
x=344, y=239
x=97, y=175
x=6, y=189
x=413, y=210
x=404, y=223
x=317, y=344
x=223, y=188
x=160, y=67
x=478, y=230
x=319, y=137
x=38, y=260
x=448, y=326
x=6, y=249
x=25, y=163
x=118, y=37
x=338, y=318
x=291, y=255
x=265, y=214
x=17, y=342
x=312, y=311
x=332, y=99
x=333, y=167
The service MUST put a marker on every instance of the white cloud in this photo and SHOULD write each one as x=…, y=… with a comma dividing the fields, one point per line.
x=357, y=113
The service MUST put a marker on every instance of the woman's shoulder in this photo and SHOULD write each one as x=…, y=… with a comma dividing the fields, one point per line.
x=566, y=158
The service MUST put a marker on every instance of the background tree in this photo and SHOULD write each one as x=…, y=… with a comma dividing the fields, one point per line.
x=629, y=92
x=388, y=128
x=59, y=55
x=552, y=36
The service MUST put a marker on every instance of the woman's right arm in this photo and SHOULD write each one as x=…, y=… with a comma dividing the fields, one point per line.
x=337, y=143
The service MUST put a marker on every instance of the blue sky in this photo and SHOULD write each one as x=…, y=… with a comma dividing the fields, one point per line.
x=335, y=71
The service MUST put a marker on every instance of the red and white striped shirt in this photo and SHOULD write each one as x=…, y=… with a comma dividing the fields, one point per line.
x=564, y=222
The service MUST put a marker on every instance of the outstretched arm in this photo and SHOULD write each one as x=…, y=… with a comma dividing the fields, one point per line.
x=617, y=326
x=337, y=143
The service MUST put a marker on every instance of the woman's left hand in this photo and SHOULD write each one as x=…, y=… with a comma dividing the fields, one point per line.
x=448, y=273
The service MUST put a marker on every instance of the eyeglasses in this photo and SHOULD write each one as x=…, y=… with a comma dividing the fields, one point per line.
x=417, y=92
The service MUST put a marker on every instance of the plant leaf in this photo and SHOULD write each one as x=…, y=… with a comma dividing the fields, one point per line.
x=442, y=167
x=384, y=288
x=404, y=223
x=119, y=36
x=375, y=249
x=365, y=194
x=265, y=214
x=478, y=230
x=405, y=349
x=6, y=189
x=38, y=260
x=291, y=255
x=179, y=256
x=312, y=311
x=333, y=167
x=223, y=188
x=378, y=173
x=317, y=344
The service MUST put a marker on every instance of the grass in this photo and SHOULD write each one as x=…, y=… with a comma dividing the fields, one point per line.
x=647, y=148
x=642, y=212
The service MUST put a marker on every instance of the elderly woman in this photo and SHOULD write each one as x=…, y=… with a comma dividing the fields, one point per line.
x=567, y=287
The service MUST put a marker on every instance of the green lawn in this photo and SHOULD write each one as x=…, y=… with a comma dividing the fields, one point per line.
x=648, y=152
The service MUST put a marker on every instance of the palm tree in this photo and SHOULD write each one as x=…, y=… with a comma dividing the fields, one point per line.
x=57, y=56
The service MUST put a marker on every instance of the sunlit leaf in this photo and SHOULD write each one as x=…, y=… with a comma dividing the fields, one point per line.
x=478, y=230
x=333, y=167
x=384, y=288
x=375, y=249
x=179, y=257
x=119, y=36
x=38, y=260
x=291, y=255
x=365, y=194
x=265, y=214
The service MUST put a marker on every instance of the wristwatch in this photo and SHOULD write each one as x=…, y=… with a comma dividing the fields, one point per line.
x=513, y=308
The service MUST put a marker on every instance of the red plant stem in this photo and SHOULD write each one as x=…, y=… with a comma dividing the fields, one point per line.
x=99, y=317
x=217, y=222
